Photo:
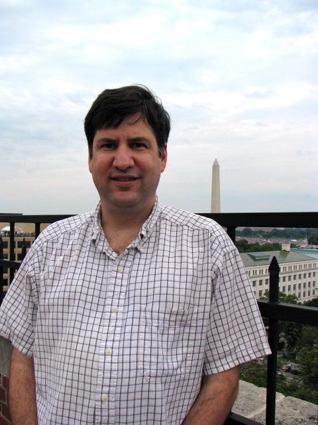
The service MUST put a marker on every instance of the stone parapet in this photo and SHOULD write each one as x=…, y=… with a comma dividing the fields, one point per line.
x=251, y=403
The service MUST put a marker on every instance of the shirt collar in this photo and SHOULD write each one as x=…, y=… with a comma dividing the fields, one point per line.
x=146, y=228
x=97, y=226
x=151, y=220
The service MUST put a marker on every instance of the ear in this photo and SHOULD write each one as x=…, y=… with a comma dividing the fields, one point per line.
x=163, y=158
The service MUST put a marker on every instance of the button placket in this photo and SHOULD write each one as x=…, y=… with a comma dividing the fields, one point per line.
x=119, y=273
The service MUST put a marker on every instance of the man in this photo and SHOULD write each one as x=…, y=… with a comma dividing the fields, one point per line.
x=135, y=313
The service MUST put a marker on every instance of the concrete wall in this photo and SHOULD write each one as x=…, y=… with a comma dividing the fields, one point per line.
x=251, y=403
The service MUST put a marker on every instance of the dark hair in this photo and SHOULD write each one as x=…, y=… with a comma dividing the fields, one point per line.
x=112, y=106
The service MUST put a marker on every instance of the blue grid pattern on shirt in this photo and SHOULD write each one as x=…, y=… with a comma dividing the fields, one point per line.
x=125, y=339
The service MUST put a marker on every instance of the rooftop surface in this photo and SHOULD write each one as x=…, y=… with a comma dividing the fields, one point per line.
x=252, y=259
x=311, y=252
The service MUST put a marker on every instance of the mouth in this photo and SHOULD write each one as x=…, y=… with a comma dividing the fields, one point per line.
x=124, y=178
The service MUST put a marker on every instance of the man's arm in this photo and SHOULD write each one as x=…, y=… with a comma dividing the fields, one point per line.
x=22, y=400
x=215, y=399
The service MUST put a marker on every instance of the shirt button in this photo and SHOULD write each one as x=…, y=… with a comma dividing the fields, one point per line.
x=120, y=269
x=108, y=351
x=115, y=309
x=104, y=397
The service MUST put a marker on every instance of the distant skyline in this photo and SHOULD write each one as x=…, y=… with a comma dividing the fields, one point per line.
x=238, y=77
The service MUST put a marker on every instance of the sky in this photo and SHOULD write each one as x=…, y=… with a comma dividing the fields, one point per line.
x=238, y=77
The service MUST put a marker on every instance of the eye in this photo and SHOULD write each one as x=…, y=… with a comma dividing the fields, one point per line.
x=138, y=145
x=108, y=145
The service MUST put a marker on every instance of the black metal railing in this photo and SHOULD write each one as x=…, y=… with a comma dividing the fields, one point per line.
x=10, y=264
x=273, y=310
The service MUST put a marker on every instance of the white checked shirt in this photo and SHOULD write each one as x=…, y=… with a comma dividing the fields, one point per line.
x=124, y=339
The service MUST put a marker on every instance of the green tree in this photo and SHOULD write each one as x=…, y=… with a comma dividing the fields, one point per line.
x=282, y=297
x=308, y=360
x=247, y=232
x=301, y=346
x=289, y=233
x=309, y=338
x=313, y=240
x=243, y=246
x=289, y=332
x=312, y=303
x=254, y=373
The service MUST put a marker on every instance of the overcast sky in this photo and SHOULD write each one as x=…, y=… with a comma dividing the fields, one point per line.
x=239, y=78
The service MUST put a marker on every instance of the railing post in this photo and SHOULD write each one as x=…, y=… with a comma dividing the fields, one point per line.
x=23, y=250
x=37, y=229
x=273, y=342
x=12, y=250
x=1, y=269
x=231, y=232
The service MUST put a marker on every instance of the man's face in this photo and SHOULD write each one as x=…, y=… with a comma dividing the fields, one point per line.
x=126, y=165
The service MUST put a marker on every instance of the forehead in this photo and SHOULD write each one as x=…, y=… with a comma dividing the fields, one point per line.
x=131, y=126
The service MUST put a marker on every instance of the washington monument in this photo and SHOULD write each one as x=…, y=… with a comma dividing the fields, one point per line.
x=215, y=197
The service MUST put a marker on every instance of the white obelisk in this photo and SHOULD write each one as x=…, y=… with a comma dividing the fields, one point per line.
x=215, y=197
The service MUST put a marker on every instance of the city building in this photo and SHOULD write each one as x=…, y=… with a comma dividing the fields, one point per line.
x=298, y=272
x=20, y=241
x=24, y=236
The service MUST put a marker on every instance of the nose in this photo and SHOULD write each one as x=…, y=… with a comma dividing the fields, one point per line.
x=123, y=159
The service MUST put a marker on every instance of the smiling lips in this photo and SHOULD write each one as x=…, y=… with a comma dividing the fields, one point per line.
x=123, y=181
x=123, y=178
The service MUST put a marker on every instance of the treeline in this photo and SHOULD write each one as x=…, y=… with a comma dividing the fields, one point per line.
x=243, y=246
x=313, y=240
x=298, y=346
x=288, y=233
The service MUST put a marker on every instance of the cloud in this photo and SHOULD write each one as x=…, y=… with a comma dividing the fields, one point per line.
x=239, y=79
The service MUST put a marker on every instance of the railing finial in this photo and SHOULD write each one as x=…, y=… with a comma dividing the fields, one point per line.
x=274, y=266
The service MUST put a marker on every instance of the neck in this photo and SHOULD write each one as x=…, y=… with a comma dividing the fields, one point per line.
x=122, y=219
x=123, y=226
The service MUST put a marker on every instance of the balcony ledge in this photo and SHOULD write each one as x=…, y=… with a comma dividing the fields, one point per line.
x=251, y=403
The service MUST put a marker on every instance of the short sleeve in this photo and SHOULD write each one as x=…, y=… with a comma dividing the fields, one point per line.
x=19, y=307
x=236, y=331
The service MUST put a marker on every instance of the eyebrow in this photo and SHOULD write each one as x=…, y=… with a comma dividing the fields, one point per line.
x=131, y=139
x=138, y=139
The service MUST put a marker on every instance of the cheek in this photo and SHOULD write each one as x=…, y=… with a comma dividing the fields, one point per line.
x=99, y=164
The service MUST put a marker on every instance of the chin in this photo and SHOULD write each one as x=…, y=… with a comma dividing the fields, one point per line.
x=125, y=203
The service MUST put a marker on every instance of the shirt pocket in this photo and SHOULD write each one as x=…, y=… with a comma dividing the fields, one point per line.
x=166, y=348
